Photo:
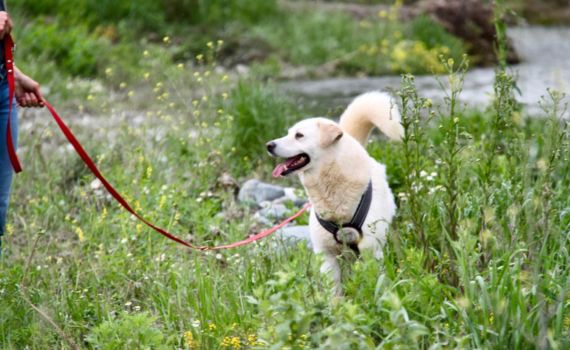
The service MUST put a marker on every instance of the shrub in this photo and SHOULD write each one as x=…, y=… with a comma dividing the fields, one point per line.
x=74, y=48
x=260, y=114
x=136, y=331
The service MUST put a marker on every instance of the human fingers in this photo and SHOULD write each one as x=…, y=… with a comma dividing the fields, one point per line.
x=25, y=100
x=33, y=99
x=28, y=100
x=39, y=96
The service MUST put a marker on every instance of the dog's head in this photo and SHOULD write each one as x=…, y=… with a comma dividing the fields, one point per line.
x=305, y=143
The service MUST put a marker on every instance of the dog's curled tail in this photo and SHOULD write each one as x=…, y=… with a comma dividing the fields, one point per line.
x=368, y=110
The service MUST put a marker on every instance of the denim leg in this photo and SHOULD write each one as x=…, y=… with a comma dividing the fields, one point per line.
x=6, y=171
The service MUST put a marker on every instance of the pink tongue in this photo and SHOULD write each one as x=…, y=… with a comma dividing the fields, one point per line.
x=279, y=169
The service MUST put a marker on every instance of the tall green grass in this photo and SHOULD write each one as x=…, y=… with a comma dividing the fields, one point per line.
x=476, y=259
x=84, y=38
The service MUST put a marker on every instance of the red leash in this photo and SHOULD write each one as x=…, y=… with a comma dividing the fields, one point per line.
x=9, y=44
x=9, y=65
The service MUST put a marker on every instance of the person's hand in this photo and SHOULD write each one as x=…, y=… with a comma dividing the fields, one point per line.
x=5, y=24
x=27, y=91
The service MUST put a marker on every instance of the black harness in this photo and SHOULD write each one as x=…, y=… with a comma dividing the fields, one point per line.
x=355, y=223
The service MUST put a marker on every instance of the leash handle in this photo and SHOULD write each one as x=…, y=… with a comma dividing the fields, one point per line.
x=123, y=202
x=9, y=65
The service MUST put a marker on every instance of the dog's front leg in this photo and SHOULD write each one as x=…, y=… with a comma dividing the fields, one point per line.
x=331, y=266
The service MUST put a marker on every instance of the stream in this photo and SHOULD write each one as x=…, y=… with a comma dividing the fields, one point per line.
x=544, y=52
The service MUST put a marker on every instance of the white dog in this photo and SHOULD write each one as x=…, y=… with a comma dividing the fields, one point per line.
x=352, y=204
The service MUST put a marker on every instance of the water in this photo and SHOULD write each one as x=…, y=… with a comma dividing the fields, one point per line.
x=544, y=51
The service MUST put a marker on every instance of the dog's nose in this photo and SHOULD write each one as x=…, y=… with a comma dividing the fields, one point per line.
x=270, y=146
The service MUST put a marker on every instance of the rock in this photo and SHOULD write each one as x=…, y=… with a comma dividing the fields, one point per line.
x=291, y=196
x=273, y=211
x=294, y=234
x=472, y=21
x=255, y=192
x=242, y=69
x=227, y=182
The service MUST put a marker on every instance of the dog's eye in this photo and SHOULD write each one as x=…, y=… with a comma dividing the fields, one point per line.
x=299, y=135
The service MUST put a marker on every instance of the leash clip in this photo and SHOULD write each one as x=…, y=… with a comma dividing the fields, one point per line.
x=348, y=235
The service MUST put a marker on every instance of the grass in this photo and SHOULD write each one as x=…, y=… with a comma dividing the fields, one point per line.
x=477, y=258
x=335, y=42
x=67, y=38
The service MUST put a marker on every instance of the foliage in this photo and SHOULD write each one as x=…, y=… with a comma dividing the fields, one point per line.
x=136, y=331
x=478, y=257
x=75, y=48
x=150, y=15
x=375, y=46
x=73, y=35
x=499, y=281
x=260, y=114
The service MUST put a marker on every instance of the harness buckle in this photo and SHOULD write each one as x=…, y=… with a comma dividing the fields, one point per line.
x=348, y=235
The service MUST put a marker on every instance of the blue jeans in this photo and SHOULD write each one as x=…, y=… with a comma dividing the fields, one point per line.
x=6, y=170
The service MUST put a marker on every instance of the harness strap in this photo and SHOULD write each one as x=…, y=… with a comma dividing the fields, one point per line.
x=356, y=222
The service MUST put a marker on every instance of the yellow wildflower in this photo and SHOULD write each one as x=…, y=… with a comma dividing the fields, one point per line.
x=80, y=234
x=252, y=340
x=226, y=342
x=189, y=339
x=236, y=342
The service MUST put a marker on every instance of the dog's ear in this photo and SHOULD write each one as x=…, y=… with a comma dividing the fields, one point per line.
x=329, y=133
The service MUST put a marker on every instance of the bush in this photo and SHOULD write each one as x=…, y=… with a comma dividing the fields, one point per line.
x=373, y=46
x=260, y=114
x=75, y=48
x=136, y=331
x=151, y=15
